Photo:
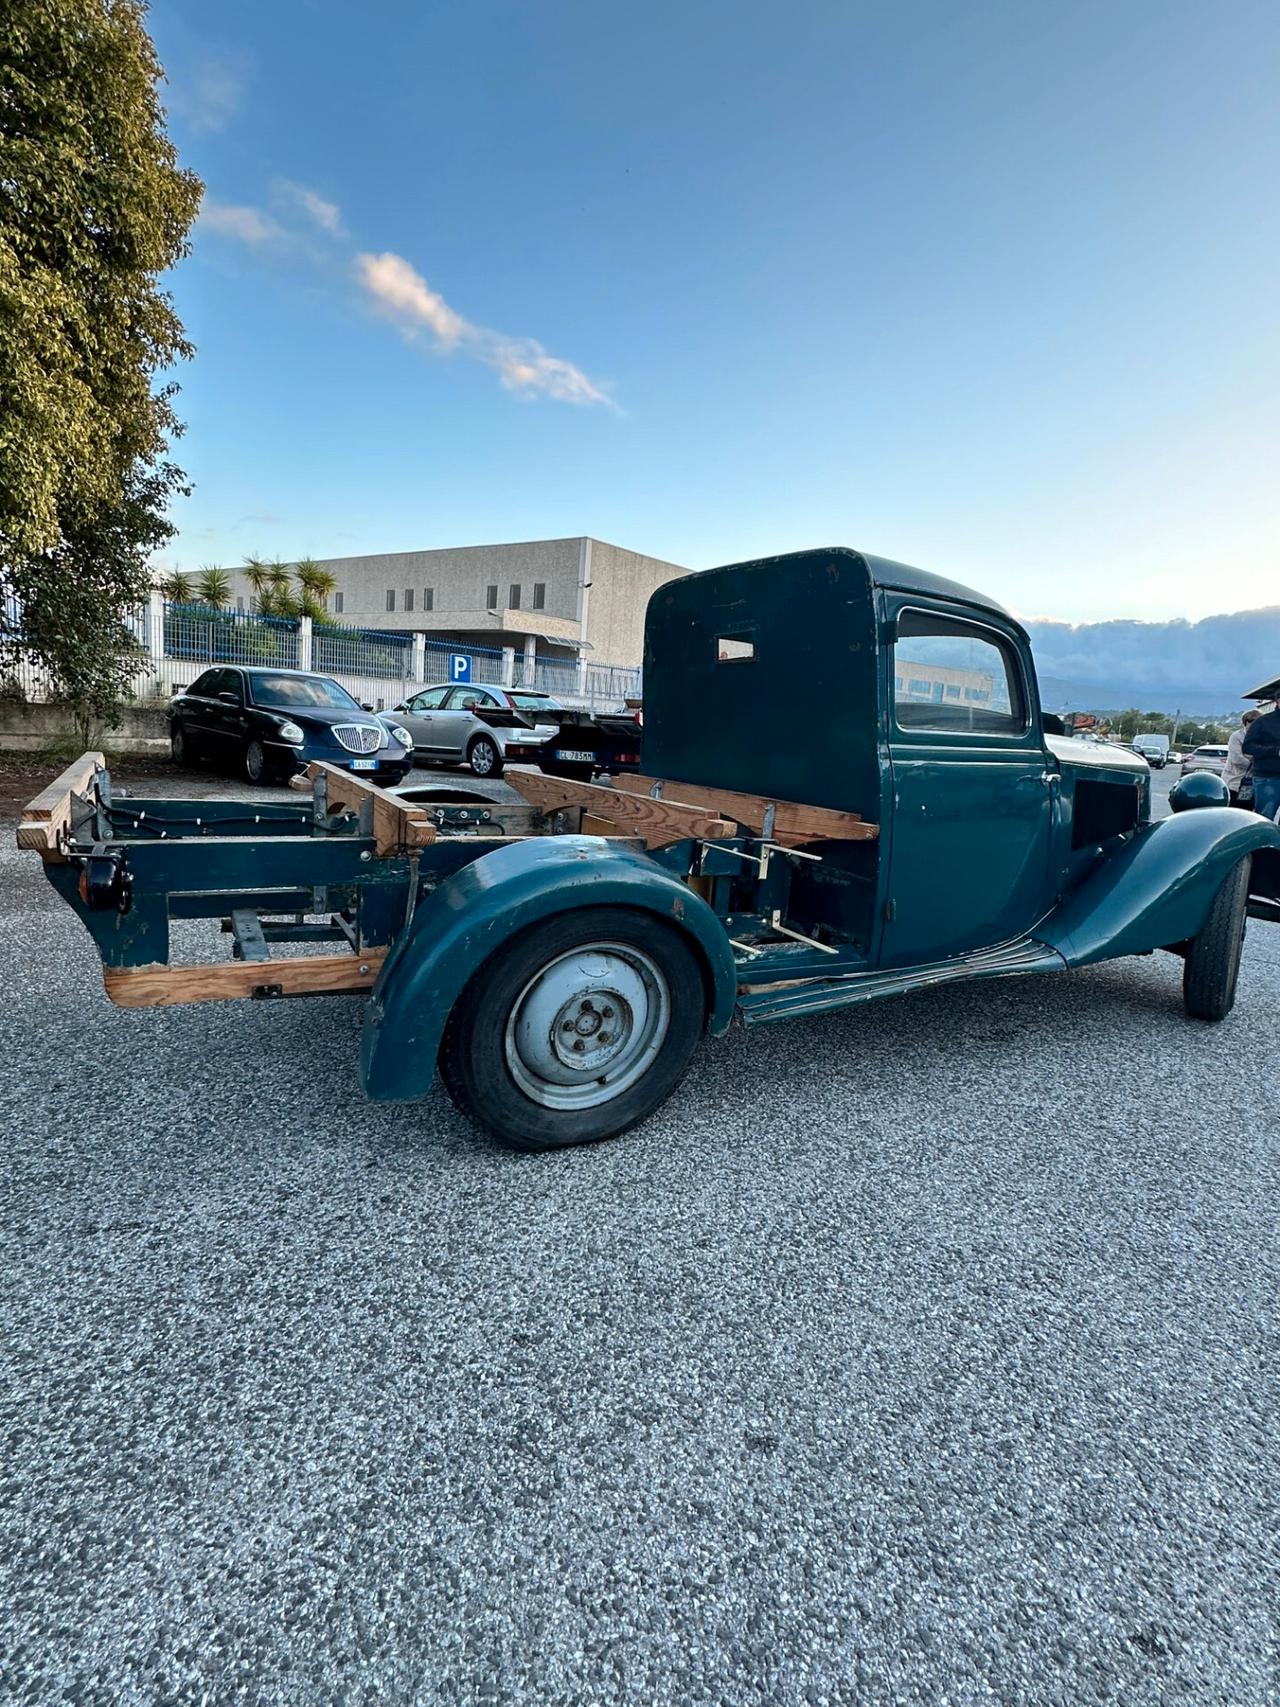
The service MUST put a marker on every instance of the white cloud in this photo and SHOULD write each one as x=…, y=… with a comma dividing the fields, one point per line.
x=247, y=224
x=523, y=365
x=208, y=95
x=327, y=215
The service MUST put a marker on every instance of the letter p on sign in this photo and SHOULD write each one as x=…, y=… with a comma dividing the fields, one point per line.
x=459, y=667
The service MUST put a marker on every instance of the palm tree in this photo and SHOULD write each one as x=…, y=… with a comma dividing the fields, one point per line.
x=213, y=587
x=317, y=584
x=258, y=575
x=176, y=587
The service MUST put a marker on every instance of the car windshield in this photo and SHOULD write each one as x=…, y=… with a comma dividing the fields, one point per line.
x=297, y=693
x=534, y=702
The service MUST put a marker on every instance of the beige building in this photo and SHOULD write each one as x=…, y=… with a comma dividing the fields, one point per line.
x=563, y=599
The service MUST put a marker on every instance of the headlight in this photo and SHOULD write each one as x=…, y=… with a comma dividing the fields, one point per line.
x=401, y=734
x=291, y=733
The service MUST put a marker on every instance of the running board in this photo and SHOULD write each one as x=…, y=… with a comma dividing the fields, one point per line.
x=814, y=995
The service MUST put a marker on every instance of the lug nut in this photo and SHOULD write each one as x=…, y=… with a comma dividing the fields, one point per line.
x=603, y=1037
x=579, y=1045
x=607, y=1013
x=567, y=1026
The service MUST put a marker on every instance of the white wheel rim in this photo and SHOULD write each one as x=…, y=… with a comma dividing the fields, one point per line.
x=588, y=1025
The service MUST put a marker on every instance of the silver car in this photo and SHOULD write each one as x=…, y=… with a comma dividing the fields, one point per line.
x=1206, y=759
x=446, y=730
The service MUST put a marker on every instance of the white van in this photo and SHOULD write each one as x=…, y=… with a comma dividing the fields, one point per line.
x=1154, y=749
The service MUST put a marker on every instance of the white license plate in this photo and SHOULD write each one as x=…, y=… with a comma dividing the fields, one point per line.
x=574, y=756
x=364, y=764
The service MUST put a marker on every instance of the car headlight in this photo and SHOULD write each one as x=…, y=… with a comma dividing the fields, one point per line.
x=401, y=734
x=292, y=734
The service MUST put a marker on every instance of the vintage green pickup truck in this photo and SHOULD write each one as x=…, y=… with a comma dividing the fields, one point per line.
x=848, y=791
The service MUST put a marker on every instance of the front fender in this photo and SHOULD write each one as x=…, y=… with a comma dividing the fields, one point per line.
x=459, y=924
x=1157, y=889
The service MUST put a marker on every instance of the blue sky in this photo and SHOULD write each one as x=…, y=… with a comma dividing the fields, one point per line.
x=991, y=288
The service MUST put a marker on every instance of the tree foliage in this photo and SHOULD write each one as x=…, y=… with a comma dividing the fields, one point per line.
x=93, y=209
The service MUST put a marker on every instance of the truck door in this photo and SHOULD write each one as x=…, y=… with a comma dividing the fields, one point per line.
x=972, y=784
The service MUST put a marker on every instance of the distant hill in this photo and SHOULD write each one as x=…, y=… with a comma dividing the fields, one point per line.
x=1198, y=667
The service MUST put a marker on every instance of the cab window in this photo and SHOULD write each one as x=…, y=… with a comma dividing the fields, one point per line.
x=955, y=677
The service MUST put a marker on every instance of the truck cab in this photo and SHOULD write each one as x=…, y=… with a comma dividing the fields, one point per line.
x=927, y=723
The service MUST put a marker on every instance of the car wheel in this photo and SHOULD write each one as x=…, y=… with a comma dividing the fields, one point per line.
x=255, y=762
x=1213, y=955
x=484, y=756
x=576, y=1030
x=179, y=747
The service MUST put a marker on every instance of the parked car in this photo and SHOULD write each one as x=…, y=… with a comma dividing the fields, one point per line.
x=446, y=730
x=269, y=724
x=1206, y=759
x=1153, y=748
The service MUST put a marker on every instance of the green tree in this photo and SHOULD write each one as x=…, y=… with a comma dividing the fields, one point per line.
x=93, y=208
x=257, y=574
x=317, y=584
x=176, y=587
x=213, y=587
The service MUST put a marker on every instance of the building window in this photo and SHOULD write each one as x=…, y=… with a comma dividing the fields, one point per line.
x=391, y=598
x=428, y=598
x=239, y=603
x=408, y=598
x=539, y=595
x=491, y=599
x=513, y=600
x=337, y=604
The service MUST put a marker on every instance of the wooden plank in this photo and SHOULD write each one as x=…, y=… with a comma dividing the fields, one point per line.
x=396, y=825
x=305, y=975
x=793, y=822
x=658, y=822
x=46, y=820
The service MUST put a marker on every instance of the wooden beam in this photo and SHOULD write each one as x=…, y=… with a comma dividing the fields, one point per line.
x=793, y=823
x=396, y=824
x=302, y=975
x=46, y=820
x=657, y=822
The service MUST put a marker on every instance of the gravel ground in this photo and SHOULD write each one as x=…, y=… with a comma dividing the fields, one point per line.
x=920, y=1354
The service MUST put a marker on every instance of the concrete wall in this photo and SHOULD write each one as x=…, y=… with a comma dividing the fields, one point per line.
x=621, y=584
x=40, y=728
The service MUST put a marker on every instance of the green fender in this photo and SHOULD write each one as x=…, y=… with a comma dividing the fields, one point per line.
x=466, y=918
x=1157, y=889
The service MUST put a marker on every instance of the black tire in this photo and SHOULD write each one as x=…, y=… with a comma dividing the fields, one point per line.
x=474, y=1058
x=179, y=746
x=484, y=756
x=254, y=762
x=1213, y=956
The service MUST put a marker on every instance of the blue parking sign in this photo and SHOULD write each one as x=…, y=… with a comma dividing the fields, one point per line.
x=459, y=667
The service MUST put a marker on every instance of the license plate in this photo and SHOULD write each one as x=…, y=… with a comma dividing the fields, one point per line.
x=574, y=756
x=364, y=764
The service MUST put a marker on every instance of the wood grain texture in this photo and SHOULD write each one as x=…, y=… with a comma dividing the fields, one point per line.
x=657, y=822
x=397, y=826
x=170, y=986
x=47, y=818
x=793, y=822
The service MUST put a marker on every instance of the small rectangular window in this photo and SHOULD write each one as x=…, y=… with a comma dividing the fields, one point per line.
x=337, y=604
x=491, y=599
x=428, y=598
x=735, y=649
x=513, y=600
x=239, y=602
x=539, y=595
x=391, y=598
x=408, y=598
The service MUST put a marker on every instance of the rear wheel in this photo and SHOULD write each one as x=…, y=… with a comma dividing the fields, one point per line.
x=576, y=1030
x=485, y=756
x=1213, y=956
x=179, y=746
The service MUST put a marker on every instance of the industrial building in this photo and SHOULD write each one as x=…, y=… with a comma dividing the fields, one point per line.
x=568, y=600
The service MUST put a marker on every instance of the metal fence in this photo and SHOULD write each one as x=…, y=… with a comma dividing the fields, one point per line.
x=176, y=642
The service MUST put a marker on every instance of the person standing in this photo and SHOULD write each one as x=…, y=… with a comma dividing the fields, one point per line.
x=1238, y=763
x=1262, y=744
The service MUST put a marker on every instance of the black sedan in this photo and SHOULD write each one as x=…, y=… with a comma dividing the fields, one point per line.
x=270, y=724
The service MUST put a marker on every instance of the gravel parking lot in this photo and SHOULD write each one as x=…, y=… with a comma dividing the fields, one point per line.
x=921, y=1354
